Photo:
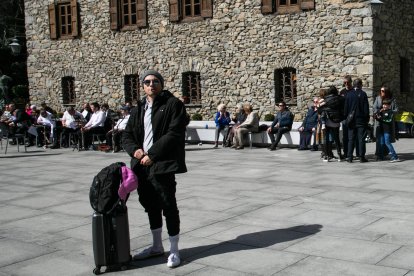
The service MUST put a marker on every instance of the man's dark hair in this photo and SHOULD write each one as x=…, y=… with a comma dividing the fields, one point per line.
x=332, y=90
x=96, y=105
x=358, y=83
x=348, y=78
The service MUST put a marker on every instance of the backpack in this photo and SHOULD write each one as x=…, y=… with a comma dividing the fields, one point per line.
x=103, y=194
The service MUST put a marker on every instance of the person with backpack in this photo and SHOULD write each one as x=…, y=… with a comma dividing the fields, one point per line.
x=331, y=116
x=155, y=138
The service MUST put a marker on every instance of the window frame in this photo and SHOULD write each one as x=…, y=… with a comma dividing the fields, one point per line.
x=117, y=15
x=68, y=90
x=191, y=87
x=71, y=19
x=131, y=81
x=274, y=6
x=178, y=14
x=280, y=86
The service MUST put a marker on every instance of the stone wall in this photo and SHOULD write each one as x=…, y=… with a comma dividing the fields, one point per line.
x=236, y=52
x=394, y=38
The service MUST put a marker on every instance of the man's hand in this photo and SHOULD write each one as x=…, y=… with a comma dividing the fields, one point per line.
x=146, y=161
x=269, y=129
x=138, y=154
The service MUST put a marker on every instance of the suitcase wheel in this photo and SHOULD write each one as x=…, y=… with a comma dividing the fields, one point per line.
x=97, y=270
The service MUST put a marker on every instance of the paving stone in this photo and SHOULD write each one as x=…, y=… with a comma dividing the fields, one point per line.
x=12, y=213
x=239, y=258
x=318, y=266
x=16, y=251
x=343, y=249
x=402, y=258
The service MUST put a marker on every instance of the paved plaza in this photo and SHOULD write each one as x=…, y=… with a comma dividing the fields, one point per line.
x=247, y=212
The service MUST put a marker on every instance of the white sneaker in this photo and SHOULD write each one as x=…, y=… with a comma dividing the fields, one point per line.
x=395, y=160
x=148, y=253
x=173, y=260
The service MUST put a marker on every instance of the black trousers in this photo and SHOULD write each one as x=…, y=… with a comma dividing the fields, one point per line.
x=279, y=133
x=157, y=196
x=356, y=136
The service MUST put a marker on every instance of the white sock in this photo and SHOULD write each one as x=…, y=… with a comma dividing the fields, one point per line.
x=174, y=244
x=156, y=238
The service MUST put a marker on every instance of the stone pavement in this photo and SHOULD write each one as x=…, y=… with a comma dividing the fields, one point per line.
x=248, y=212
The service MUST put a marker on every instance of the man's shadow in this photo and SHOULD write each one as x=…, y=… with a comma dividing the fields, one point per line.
x=249, y=241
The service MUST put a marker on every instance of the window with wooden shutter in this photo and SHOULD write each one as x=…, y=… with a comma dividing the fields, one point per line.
x=126, y=15
x=286, y=6
x=207, y=8
x=267, y=6
x=141, y=13
x=52, y=21
x=113, y=14
x=307, y=5
x=175, y=15
x=75, y=26
x=64, y=20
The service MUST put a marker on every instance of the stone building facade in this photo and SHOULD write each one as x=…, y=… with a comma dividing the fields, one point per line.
x=237, y=50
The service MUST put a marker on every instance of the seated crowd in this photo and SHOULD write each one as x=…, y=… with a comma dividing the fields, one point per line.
x=44, y=128
x=320, y=129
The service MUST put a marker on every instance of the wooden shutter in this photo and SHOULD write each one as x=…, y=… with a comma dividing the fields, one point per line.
x=267, y=6
x=207, y=8
x=307, y=5
x=74, y=16
x=52, y=21
x=175, y=10
x=113, y=14
x=141, y=13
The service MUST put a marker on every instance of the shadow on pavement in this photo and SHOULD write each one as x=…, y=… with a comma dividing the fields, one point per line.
x=249, y=241
x=29, y=154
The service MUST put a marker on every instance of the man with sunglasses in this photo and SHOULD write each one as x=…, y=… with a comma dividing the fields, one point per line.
x=281, y=124
x=155, y=137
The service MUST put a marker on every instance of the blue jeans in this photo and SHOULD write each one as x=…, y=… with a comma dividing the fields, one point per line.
x=385, y=139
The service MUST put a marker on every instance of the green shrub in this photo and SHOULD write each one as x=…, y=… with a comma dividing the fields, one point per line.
x=197, y=117
x=269, y=117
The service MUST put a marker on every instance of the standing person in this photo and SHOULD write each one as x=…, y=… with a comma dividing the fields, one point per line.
x=250, y=124
x=155, y=138
x=222, y=120
x=386, y=118
x=377, y=107
x=281, y=124
x=357, y=113
x=308, y=126
x=331, y=117
x=345, y=141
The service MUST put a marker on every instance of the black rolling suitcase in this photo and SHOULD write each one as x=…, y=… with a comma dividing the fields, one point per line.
x=110, y=235
x=110, y=227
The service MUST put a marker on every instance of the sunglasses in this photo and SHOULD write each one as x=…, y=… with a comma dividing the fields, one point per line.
x=148, y=82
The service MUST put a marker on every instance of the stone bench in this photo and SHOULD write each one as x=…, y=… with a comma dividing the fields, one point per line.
x=204, y=132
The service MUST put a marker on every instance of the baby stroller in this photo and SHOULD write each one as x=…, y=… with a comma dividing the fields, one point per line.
x=404, y=123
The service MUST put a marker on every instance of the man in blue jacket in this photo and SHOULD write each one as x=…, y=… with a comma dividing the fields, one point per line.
x=356, y=103
x=154, y=138
x=281, y=124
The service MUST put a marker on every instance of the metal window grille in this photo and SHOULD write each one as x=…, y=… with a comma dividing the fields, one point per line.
x=285, y=85
x=191, y=87
x=68, y=90
x=131, y=88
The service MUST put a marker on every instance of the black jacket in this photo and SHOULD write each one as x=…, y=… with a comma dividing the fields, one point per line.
x=169, y=120
x=357, y=100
